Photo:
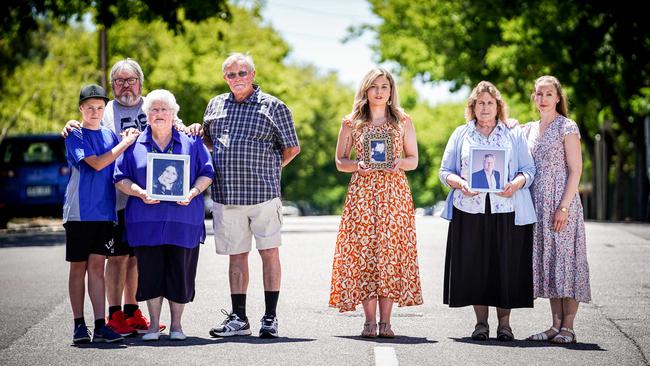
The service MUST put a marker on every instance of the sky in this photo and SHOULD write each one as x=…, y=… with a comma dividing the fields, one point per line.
x=315, y=30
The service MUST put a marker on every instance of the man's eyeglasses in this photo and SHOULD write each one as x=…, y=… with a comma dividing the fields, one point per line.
x=241, y=74
x=129, y=81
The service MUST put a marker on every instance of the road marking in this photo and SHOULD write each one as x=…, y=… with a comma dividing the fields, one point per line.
x=385, y=356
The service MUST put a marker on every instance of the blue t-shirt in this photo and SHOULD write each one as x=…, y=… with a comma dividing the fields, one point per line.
x=90, y=195
x=165, y=222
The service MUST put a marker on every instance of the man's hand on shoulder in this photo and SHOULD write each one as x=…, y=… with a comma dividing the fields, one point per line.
x=69, y=126
x=195, y=129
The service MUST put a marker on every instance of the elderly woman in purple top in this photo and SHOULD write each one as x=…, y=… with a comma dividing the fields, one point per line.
x=165, y=235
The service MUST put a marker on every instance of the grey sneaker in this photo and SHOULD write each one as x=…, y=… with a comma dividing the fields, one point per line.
x=269, y=327
x=232, y=326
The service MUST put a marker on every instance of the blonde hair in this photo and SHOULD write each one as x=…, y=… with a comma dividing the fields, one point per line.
x=562, y=107
x=361, y=110
x=486, y=87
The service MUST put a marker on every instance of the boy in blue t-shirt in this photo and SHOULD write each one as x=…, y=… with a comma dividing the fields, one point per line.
x=89, y=210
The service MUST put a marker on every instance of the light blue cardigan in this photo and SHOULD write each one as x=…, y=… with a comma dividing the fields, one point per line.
x=521, y=161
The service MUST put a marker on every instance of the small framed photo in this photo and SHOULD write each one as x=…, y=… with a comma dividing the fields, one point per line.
x=378, y=150
x=168, y=176
x=488, y=168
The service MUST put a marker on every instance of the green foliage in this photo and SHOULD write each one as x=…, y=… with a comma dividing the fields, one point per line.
x=433, y=127
x=42, y=93
x=599, y=50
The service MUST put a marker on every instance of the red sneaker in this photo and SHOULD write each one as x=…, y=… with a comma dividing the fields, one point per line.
x=118, y=324
x=140, y=323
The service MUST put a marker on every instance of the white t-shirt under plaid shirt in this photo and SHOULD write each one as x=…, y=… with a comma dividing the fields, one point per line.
x=248, y=139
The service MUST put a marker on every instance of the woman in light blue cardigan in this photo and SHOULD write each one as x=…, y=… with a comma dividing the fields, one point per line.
x=489, y=243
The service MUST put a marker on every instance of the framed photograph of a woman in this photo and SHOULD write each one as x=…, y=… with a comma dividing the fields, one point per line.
x=487, y=168
x=378, y=150
x=168, y=176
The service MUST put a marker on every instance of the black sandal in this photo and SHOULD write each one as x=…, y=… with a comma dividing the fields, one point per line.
x=481, y=332
x=504, y=334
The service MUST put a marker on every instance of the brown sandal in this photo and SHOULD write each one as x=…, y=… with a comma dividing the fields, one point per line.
x=385, y=331
x=369, y=330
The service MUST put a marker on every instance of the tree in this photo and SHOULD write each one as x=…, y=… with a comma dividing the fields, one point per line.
x=21, y=19
x=600, y=50
x=42, y=93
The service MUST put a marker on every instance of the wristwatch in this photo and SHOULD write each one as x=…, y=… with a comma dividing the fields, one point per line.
x=564, y=209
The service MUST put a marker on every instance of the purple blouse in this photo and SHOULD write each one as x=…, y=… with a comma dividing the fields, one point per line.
x=165, y=222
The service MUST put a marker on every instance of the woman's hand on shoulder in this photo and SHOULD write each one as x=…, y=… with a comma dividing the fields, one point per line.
x=511, y=123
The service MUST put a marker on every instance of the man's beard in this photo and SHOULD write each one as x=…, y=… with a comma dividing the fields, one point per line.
x=128, y=100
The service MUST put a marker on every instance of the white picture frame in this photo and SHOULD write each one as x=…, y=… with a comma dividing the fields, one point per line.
x=483, y=159
x=161, y=169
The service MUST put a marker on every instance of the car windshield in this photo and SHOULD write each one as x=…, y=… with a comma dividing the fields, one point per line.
x=21, y=152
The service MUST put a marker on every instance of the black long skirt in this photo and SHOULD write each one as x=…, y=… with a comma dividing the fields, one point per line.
x=488, y=261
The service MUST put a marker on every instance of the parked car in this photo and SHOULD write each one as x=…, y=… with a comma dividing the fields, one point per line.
x=33, y=176
x=290, y=209
x=207, y=201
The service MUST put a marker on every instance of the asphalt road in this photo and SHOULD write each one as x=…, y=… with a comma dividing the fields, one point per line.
x=614, y=329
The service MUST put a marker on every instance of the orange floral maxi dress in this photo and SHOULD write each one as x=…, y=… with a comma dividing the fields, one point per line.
x=376, y=253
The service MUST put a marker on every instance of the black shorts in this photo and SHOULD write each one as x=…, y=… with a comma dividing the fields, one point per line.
x=168, y=271
x=83, y=238
x=120, y=245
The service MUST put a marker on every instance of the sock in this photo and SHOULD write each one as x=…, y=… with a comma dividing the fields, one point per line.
x=79, y=321
x=239, y=305
x=129, y=309
x=99, y=323
x=113, y=309
x=271, y=300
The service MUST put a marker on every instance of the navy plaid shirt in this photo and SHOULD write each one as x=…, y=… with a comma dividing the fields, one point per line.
x=248, y=139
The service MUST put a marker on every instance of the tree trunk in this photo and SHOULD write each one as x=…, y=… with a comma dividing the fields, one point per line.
x=103, y=50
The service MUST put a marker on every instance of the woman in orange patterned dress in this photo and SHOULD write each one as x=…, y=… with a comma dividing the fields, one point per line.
x=375, y=260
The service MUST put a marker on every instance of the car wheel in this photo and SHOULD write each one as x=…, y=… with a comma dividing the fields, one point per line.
x=4, y=219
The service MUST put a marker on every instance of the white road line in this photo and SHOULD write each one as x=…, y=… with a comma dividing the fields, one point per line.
x=385, y=356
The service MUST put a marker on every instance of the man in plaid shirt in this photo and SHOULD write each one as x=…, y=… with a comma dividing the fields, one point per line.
x=252, y=136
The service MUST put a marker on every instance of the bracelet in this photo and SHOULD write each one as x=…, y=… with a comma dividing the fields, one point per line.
x=197, y=189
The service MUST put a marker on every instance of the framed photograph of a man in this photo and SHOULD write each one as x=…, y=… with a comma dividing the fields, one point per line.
x=488, y=170
x=378, y=150
x=168, y=176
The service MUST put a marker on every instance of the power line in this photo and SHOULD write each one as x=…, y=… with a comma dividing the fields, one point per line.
x=356, y=17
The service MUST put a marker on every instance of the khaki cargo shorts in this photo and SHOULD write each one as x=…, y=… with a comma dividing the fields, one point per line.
x=234, y=226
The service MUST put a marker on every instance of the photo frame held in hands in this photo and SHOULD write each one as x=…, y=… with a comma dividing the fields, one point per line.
x=488, y=168
x=378, y=150
x=168, y=176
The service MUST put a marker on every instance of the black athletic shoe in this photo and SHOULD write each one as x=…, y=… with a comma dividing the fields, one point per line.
x=81, y=334
x=269, y=327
